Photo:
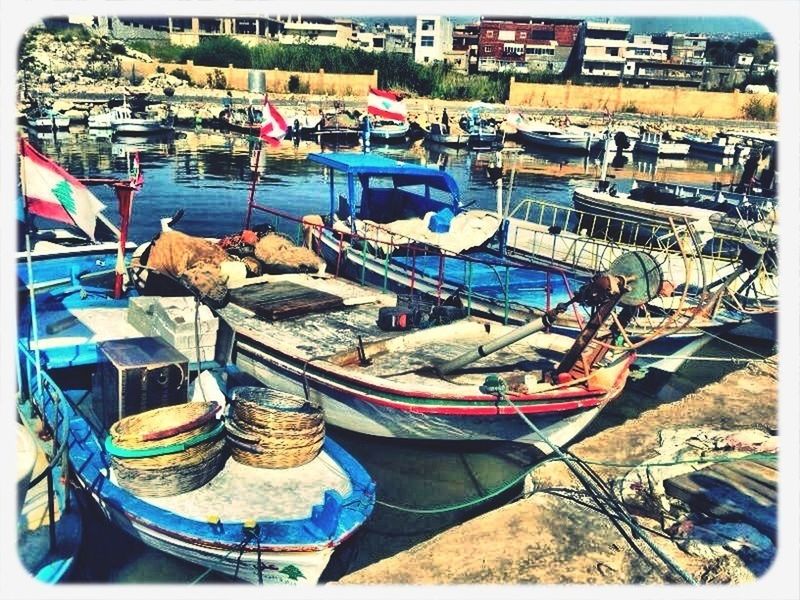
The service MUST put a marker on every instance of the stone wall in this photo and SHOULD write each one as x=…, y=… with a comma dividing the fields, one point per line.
x=335, y=84
x=672, y=101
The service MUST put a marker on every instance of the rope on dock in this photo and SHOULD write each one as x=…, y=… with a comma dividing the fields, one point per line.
x=605, y=500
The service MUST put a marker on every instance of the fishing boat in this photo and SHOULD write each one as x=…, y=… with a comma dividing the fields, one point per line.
x=436, y=134
x=571, y=139
x=422, y=384
x=241, y=120
x=483, y=131
x=412, y=241
x=388, y=132
x=719, y=145
x=653, y=210
x=46, y=119
x=656, y=143
x=230, y=521
x=122, y=121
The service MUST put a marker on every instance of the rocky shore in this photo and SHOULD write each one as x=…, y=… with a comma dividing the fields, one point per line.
x=552, y=536
x=77, y=78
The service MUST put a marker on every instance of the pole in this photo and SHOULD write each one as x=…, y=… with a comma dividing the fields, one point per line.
x=251, y=199
x=125, y=198
x=34, y=333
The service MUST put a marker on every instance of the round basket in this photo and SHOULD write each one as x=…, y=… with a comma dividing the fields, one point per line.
x=274, y=430
x=166, y=422
x=174, y=473
x=266, y=408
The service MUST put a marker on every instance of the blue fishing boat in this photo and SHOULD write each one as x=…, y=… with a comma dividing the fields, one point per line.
x=403, y=227
x=231, y=524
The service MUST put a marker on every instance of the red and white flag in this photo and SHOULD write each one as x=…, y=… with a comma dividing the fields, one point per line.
x=387, y=105
x=52, y=193
x=273, y=125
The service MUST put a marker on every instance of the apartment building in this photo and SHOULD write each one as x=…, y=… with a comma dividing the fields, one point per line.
x=525, y=44
x=433, y=38
x=602, y=50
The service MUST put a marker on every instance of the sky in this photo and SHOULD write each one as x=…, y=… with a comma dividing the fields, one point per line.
x=711, y=25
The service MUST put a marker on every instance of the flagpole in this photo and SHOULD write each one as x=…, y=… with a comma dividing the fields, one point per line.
x=34, y=333
x=251, y=199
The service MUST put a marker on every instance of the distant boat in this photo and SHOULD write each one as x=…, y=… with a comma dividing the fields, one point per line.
x=571, y=138
x=655, y=143
x=45, y=119
x=719, y=145
x=453, y=139
x=121, y=121
x=389, y=131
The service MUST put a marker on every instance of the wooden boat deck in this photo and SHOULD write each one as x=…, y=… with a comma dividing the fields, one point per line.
x=406, y=357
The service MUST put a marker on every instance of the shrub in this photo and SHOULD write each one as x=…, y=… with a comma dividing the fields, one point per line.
x=117, y=48
x=217, y=81
x=160, y=69
x=181, y=74
x=757, y=109
x=629, y=107
x=294, y=84
x=219, y=52
x=163, y=51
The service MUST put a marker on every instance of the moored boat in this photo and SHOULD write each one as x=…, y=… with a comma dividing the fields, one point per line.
x=44, y=119
x=656, y=143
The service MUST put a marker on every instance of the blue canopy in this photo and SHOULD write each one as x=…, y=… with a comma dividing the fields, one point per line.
x=363, y=166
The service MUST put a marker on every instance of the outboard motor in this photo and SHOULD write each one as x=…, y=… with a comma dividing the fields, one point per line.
x=622, y=141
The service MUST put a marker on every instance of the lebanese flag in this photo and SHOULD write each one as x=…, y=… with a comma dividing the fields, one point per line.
x=386, y=104
x=53, y=193
x=273, y=125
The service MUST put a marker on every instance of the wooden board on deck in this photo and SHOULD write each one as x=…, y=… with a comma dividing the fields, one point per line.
x=283, y=300
x=743, y=492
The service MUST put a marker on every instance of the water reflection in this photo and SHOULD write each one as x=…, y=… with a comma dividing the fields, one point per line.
x=209, y=172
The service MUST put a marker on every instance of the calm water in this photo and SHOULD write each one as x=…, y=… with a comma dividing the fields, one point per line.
x=208, y=175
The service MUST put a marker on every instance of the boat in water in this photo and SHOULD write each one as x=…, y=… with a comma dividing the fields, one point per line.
x=122, y=121
x=661, y=145
x=189, y=496
x=46, y=119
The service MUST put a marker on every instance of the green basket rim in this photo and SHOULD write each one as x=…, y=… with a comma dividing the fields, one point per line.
x=115, y=450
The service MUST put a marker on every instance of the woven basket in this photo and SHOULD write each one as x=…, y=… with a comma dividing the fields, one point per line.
x=166, y=422
x=274, y=430
x=174, y=473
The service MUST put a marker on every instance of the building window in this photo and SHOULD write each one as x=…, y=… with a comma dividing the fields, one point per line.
x=487, y=49
x=523, y=35
x=426, y=59
x=506, y=35
x=428, y=25
x=426, y=41
x=490, y=33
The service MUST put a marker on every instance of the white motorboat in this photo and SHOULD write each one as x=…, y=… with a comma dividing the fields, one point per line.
x=655, y=143
x=122, y=121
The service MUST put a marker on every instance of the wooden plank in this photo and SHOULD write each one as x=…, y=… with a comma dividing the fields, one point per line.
x=711, y=493
x=765, y=494
x=756, y=471
x=283, y=300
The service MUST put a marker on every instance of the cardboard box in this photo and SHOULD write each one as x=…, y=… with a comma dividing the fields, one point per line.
x=136, y=375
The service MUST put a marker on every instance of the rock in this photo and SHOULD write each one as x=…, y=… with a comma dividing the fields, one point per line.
x=138, y=55
x=63, y=105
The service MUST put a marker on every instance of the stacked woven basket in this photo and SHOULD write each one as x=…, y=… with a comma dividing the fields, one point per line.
x=168, y=450
x=270, y=429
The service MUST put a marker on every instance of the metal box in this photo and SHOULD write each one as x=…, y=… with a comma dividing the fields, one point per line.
x=136, y=375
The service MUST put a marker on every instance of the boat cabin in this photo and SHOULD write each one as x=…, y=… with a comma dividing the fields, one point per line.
x=383, y=190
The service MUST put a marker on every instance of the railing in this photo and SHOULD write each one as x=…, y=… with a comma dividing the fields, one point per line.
x=375, y=246
x=39, y=389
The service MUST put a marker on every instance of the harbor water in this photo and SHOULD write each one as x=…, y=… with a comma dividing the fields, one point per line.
x=422, y=488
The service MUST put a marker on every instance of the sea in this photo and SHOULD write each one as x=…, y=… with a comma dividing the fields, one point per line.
x=422, y=488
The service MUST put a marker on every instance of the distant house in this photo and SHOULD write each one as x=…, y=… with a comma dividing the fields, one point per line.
x=526, y=44
x=434, y=37
x=603, y=47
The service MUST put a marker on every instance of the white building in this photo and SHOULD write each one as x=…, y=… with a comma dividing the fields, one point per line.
x=319, y=31
x=603, y=49
x=434, y=37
